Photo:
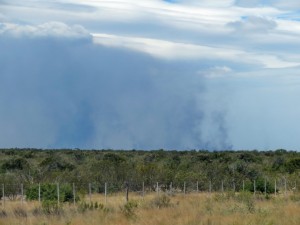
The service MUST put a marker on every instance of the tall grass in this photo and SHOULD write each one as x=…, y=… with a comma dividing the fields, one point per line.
x=191, y=209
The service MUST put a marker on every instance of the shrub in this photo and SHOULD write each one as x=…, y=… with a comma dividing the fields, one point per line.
x=15, y=164
x=83, y=207
x=49, y=193
x=3, y=213
x=260, y=186
x=20, y=212
x=38, y=211
x=247, y=198
x=129, y=209
x=51, y=208
x=162, y=201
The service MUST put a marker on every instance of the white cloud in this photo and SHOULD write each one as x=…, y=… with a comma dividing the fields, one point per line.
x=281, y=4
x=215, y=72
x=51, y=29
x=253, y=24
x=175, y=51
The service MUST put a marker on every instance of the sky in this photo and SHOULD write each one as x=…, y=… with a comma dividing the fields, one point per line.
x=150, y=74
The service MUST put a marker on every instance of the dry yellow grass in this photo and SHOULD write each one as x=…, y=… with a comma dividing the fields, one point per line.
x=192, y=209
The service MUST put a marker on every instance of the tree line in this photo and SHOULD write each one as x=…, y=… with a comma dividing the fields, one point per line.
x=33, y=166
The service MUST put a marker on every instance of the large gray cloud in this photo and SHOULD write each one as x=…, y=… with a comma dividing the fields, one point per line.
x=209, y=74
x=67, y=92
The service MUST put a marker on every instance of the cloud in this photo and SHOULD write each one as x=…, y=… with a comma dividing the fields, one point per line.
x=245, y=3
x=253, y=24
x=281, y=4
x=207, y=3
x=215, y=72
x=138, y=74
x=2, y=18
x=77, y=94
x=175, y=51
x=50, y=29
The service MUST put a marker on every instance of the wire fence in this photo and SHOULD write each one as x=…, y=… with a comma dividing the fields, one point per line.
x=40, y=191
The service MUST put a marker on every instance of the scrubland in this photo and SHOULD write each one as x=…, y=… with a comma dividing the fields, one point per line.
x=176, y=209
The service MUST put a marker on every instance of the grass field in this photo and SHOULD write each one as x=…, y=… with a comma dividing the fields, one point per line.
x=191, y=209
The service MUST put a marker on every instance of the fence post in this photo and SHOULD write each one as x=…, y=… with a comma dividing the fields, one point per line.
x=265, y=187
x=90, y=192
x=233, y=186
x=57, y=193
x=275, y=187
x=126, y=191
x=39, y=193
x=222, y=186
x=254, y=187
x=22, y=194
x=184, y=188
x=197, y=187
x=74, y=195
x=285, y=187
x=243, y=185
x=157, y=189
x=143, y=194
x=3, y=195
x=105, y=192
x=210, y=187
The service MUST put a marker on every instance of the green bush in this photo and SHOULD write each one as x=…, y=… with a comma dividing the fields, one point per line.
x=129, y=209
x=83, y=207
x=49, y=193
x=260, y=186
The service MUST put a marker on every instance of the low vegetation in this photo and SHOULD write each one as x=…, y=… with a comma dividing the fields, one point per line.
x=179, y=209
x=195, y=187
x=115, y=167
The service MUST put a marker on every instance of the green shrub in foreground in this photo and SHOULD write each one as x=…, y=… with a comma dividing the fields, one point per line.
x=49, y=193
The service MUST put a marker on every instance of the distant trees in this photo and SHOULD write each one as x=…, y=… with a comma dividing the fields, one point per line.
x=30, y=166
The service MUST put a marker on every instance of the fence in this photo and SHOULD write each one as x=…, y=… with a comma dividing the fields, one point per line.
x=17, y=192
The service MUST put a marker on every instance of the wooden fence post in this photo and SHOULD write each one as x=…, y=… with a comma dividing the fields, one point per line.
x=22, y=194
x=126, y=191
x=57, y=193
x=74, y=195
x=90, y=192
x=233, y=186
x=285, y=187
x=254, y=187
x=39, y=193
x=143, y=194
x=265, y=187
x=3, y=195
x=275, y=187
x=105, y=192
x=222, y=187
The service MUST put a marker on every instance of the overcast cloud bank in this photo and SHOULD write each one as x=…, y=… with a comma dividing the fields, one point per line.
x=149, y=74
